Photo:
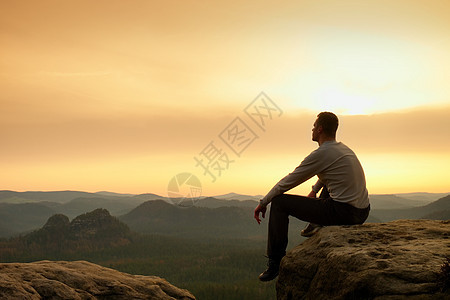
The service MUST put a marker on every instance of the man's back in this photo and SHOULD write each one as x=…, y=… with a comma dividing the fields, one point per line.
x=342, y=173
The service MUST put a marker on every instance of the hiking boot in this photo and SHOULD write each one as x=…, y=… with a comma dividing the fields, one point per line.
x=310, y=230
x=272, y=270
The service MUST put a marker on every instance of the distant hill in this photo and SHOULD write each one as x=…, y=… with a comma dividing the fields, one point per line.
x=57, y=196
x=379, y=201
x=106, y=193
x=21, y=212
x=393, y=202
x=426, y=211
x=63, y=197
x=234, y=196
x=423, y=198
x=160, y=217
x=212, y=202
x=89, y=231
x=97, y=225
x=438, y=215
x=18, y=218
x=149, y=196
x=5, y=231
x=117, y=206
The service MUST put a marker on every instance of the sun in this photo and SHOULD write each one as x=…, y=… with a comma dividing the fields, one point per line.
x=343, y=102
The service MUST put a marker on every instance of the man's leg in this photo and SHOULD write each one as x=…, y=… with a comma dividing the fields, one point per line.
x=319, y=211
x=306, y=209
x=303, y=208
x=312, y=228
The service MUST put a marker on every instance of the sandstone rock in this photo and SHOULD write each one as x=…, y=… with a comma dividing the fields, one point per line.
x=80, y=280
x=93, y=230
x=396, y=260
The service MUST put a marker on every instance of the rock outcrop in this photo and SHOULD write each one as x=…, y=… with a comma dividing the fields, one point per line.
x=80, y=280
x=396, y=260
x=93, y=230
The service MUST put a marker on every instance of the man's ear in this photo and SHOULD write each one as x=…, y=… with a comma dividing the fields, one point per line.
x=320, y=129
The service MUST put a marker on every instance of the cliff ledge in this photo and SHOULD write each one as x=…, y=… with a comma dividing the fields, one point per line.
x=80, y=280
x=396, y=260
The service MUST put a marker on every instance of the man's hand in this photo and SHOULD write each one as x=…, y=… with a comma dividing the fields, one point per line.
x=260, y=209
x=312, y=194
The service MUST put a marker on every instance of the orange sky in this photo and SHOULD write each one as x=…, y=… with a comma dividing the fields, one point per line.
x=121, y=95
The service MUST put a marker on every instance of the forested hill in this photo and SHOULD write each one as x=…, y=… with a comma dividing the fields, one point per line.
x=231, y=214
x=438, y=210
x=160, y=217
x=90, y=231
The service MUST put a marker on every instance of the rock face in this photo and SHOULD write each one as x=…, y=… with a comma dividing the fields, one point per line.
x=93, y=230
x=396, y=260
x=80, y=280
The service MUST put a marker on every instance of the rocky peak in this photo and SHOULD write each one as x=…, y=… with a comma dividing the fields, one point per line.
x=397, y=260
x=81, y=280
x=97, y=223
x=57, y=221
x=95, y=229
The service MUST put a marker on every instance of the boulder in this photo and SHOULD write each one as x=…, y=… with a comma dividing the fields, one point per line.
x=80, y=280
x=397, y=260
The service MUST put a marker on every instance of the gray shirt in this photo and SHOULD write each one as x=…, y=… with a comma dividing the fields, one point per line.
x=337, y=167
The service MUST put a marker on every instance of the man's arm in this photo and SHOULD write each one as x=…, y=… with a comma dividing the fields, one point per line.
x=260, y=209
x=309, y=167
x=316, y=188
x=299, y=175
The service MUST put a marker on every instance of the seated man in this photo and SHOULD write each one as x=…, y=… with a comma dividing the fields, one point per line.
x=344, y=199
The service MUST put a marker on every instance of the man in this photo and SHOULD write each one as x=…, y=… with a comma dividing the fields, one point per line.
x=343, y=201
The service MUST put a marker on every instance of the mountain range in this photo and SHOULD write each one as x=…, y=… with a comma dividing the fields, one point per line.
x=437, y=210
x=229, y=214
x=160, y=217
x=211, y=246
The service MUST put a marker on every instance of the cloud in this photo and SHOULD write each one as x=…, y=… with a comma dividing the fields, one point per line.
x=187, y=132
x=75, y=74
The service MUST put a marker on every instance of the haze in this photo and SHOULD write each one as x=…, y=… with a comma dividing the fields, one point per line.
x=122, y=95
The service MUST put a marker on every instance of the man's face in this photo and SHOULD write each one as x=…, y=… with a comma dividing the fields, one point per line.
x=316, y=131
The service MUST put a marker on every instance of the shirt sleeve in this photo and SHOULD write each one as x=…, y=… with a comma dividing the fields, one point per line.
x=316, y=187
x=307, y=169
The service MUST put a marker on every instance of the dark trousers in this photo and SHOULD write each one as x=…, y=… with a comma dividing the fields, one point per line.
x=322, y=210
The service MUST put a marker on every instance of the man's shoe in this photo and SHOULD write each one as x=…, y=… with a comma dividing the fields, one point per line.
x=272, y=270
x=310, y=230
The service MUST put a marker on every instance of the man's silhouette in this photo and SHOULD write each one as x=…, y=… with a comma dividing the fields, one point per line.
x=344, y=199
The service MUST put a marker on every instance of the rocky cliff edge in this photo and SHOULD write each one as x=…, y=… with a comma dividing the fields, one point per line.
x=80, y=280
x=397, y=260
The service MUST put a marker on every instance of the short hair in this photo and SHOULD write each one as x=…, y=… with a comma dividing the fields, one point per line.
x=329, y=123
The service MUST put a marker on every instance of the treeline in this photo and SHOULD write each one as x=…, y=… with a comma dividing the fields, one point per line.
x=210, y=269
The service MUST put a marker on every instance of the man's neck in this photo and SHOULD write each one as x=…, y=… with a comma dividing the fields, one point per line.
x=324, y=139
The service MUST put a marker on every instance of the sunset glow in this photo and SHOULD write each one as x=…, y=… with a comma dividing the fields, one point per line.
x=122, y=95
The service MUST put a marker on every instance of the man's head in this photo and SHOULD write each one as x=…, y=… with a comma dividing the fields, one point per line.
x=325, y=126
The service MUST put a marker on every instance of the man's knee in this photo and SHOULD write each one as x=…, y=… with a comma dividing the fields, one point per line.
x=276, y=205
x=277, y=200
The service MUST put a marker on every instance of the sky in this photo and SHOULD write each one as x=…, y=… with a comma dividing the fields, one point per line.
x=124, y=96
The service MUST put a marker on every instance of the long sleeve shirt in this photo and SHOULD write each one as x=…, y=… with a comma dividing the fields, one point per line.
x=338, y=169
